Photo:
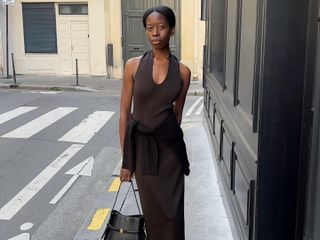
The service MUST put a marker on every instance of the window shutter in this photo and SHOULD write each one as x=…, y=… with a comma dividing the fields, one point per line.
x=39, y=23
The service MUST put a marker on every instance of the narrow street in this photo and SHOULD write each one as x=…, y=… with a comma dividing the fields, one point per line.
x=57, y=152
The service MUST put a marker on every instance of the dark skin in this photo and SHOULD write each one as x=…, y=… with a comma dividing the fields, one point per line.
x=158, y=32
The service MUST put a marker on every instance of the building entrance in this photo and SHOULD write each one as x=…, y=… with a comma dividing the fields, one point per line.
x=134, y=41
x=73, y=43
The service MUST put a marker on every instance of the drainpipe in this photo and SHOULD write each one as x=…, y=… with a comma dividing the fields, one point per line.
x=7, y=42
x=195, y=54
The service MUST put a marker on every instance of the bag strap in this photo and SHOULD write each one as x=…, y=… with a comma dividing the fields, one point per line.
x=114, y=204
x=116, y=199
x=135, y=197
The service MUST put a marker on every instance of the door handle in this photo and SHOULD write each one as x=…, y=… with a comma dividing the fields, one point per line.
x=136, y=48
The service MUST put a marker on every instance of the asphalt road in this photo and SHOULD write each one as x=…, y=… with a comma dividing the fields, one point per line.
x=57, y=151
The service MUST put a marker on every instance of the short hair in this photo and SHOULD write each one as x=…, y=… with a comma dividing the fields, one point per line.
x=165, y=11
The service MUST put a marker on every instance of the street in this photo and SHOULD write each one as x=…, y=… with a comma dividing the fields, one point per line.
x=57, y=151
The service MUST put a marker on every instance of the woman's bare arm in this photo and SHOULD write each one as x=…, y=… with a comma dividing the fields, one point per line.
x=179, y=104
x=125, y=106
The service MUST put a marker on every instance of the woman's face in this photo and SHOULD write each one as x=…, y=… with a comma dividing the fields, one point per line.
x=158, y=30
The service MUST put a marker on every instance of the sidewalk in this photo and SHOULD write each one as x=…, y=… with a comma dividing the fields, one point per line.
x=69, y=83
x=205, y=214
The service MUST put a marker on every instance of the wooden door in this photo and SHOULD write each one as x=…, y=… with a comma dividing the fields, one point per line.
x=80, y=46
x=134, y=39
x=74, y=44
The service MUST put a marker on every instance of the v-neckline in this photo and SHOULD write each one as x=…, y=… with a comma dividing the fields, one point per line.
x=166, y=78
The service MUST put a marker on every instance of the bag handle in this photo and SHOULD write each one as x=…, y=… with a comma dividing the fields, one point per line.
x=114, y=204
x=135, y=197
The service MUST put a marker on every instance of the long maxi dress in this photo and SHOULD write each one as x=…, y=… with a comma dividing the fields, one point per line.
x=161, y=194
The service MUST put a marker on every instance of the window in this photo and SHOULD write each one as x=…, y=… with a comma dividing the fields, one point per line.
x=73, y=9
x=39, y=25
x=217, y=39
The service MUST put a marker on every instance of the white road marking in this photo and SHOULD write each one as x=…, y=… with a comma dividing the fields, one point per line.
x=82, y=169
x=199, y=109
x=193, y=107
x=40, y=123
x=64, y=189
x=28, y=192
x=42, y=92
x=26, y=226
x=15, y=113
x=22, y=236
x=51, y=92
x=87, y=128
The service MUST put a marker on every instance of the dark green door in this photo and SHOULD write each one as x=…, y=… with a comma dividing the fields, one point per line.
x=133, y=33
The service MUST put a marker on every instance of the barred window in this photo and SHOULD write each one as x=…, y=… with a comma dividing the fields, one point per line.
x=73, y=9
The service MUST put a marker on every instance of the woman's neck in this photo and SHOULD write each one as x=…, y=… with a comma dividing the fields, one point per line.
x=162, y=54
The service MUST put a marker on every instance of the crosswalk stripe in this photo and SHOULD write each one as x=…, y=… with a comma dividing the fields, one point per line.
x=29, y=129
x=193, y=107
x=28, y=192
x=88, y=127
x=15, y=113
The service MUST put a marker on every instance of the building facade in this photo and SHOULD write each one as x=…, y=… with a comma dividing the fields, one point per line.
x=48, y=36
x=2, y=39
x=261, y=80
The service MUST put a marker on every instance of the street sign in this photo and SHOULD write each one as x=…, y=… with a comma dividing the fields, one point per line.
x=8, y=2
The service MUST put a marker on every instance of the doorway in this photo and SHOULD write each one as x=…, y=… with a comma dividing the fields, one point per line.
x=134, y=41
x=73, y=43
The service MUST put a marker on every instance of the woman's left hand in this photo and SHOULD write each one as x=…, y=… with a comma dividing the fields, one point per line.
x=125, y=175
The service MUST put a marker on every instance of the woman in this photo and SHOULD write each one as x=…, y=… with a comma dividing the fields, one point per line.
x=152, y=142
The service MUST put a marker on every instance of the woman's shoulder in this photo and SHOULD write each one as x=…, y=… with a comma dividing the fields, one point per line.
x=132, y=65
x=136, y=60
x=133, y=61
x=184, y=71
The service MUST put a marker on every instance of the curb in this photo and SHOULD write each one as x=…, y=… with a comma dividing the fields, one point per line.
x=48, y=88
x=5, y=86
x=103, y=202
x=91, y=229
x=195, y=93
x=198, y=92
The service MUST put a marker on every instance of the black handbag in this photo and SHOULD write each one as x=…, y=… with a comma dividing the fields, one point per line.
x=125, y=227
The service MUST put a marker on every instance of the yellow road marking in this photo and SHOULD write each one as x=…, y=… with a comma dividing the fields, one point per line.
x=98, y=219
x=115, y=185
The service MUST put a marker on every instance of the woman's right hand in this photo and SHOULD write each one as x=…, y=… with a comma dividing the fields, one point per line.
x=125, y=175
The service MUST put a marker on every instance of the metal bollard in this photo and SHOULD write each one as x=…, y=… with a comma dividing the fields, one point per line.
x=77, y=73
x=14, y=72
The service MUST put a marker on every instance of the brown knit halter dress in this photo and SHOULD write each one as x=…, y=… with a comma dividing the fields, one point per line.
x=162, y=195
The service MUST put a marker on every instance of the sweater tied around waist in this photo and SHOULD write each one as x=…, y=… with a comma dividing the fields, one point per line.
x=168, y=132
